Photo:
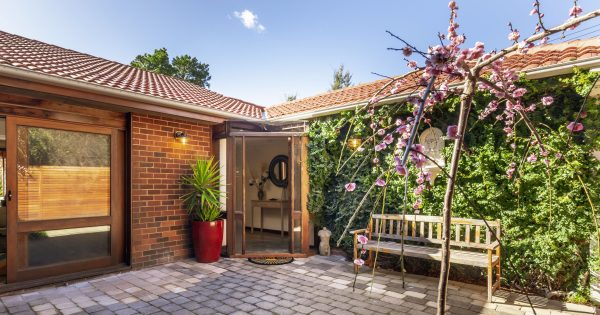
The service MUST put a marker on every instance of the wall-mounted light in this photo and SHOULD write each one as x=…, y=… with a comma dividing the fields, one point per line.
x=180, y=136
x=354, y=143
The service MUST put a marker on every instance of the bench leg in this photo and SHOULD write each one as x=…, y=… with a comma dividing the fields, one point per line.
x=498, y=273
x=489, y=277
x=355, y=254
x=370, y=261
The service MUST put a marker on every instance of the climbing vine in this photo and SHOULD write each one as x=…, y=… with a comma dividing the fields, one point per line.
x=546, y=217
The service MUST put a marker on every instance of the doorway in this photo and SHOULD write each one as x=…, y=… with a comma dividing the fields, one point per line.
x=267, y=189
x=64, y=198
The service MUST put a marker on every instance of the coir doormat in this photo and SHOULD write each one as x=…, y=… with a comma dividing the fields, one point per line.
x=271, y=260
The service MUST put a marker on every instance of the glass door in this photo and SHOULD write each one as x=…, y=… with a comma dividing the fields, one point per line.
x=298, y=195
x=65, y=198
x=276, y=224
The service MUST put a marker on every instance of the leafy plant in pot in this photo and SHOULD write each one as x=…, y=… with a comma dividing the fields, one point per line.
x=204, y=207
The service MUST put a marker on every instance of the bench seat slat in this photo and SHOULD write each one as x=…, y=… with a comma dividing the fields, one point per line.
x=457, y=257
x=453, y=243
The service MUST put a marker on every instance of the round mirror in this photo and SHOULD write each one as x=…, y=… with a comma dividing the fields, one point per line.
x=278, y=170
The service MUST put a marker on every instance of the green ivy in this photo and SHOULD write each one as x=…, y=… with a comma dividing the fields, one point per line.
x=546, y=218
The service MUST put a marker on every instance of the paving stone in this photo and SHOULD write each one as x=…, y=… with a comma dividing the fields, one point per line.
x=246, y=307
x=266, y=305
x=303, y=309
x=283, y=311
x=316, y=285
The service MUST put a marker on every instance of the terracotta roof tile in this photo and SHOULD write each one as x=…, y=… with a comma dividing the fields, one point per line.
x=25, y=53
x=539, y=56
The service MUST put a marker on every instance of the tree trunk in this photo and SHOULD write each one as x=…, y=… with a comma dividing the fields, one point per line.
x=465, y=107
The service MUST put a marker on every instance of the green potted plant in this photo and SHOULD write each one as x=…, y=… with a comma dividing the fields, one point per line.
x=204, y=207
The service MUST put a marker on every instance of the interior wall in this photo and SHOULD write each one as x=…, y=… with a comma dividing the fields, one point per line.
x=259, y=153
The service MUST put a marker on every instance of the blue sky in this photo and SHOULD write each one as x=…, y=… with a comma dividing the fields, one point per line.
x=296, y=53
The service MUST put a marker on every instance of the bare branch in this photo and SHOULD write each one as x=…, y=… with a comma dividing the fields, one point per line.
x=521, y=112
x=536, y=37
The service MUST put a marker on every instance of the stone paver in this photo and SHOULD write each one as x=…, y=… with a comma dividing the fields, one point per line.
x=316, y=285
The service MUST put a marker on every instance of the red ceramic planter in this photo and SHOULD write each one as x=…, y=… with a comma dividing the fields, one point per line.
x=207, y=238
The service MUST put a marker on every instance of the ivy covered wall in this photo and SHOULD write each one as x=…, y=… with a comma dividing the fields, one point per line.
x=547, y=220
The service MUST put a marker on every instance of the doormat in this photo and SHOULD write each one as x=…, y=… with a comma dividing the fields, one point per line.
x=271, y=260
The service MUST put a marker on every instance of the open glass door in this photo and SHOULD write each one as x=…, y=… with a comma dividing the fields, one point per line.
x=268, y=219
x=64, y=196
x=298, y=195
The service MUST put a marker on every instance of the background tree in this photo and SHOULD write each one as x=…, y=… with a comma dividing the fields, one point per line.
x=341, y=79
x=184, y=67
x=290, y=97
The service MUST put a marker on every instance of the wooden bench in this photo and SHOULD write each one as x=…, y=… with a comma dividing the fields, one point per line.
x=471, y=242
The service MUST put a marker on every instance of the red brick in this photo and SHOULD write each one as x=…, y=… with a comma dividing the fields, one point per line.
x=160, y=229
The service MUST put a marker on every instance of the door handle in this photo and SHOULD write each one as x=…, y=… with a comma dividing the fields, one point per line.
x=9, y=195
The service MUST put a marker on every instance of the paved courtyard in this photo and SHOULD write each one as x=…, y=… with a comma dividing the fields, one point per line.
x=317, y=285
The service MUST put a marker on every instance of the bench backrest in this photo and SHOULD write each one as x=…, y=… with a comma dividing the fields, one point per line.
x=428, y=229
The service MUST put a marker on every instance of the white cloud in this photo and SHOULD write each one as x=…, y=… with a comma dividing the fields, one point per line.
x=249, y=20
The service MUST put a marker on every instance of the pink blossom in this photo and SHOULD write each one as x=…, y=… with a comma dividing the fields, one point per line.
x=375, y=160
x=350, y=186
x=407, y=51
x=452, y=132
x=359, y=262
x=452, y=5
x=418, y=159
x=532, y=158
x=575, y=126
x=558, y=156
x=544, y=40
x=547, y=100
x=511, y=169
x=583, y=114
x=381, y=132
x=519, y=92
x=362, y=239
x=418, y=204
x=420, y=180
x=575, y=11
x=533, y=11
x=363, y=251
x=412, y=64
x=376, y=99
x=380, y=182
x=418, y=147
x=388, y=139
x=380, y=147
x=401, y=170
x=419, y=190
x=514, y=36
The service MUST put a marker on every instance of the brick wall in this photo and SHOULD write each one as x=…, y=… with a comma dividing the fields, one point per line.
x=160, y=225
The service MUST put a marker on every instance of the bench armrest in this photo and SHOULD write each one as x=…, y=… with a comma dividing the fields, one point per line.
x=358, y=231
x=493, y=245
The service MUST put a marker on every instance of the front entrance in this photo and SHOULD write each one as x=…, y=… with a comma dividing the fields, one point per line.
x=64, y=198
x=267, y=187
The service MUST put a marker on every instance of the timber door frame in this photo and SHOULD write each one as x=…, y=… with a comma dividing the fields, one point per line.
x=232, y=193
x=116, y=217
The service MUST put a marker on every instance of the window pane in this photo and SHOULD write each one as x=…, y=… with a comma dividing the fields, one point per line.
x=62, y=174
x=60, y=246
